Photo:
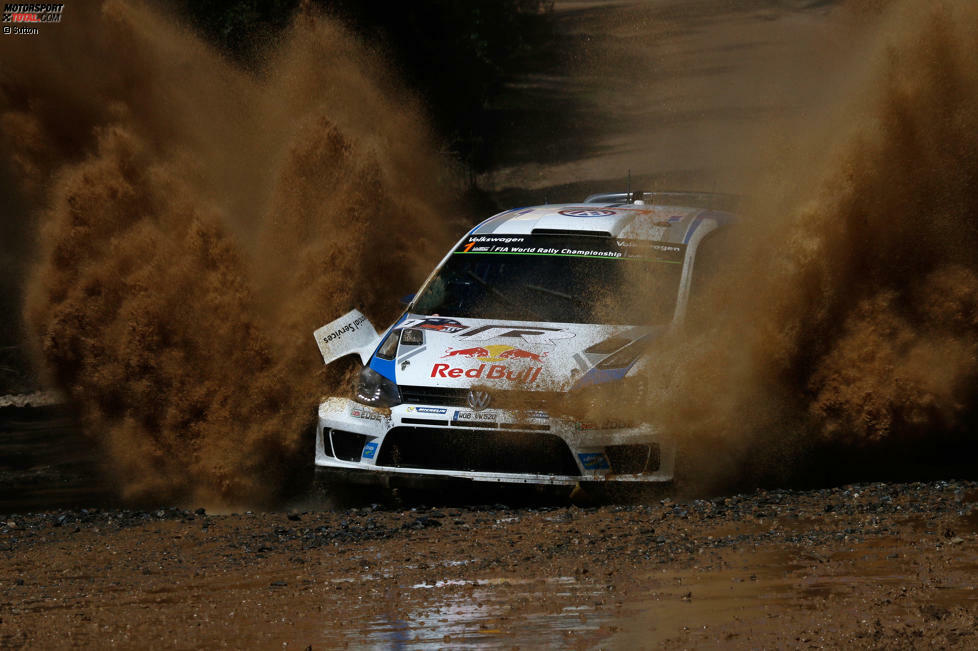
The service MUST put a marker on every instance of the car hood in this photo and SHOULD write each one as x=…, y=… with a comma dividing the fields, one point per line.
x=458, y=352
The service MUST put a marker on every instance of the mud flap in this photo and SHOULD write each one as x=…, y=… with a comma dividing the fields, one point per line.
x=350, y=334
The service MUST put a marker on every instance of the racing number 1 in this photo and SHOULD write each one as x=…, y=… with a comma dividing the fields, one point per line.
x=467, y=247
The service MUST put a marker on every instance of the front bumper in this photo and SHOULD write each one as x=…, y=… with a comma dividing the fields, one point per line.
x=526, y=447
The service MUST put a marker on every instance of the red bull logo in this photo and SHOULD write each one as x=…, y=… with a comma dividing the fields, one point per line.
x=516, y=353
x=476, y=352
x=494, y=372
x=496, y=353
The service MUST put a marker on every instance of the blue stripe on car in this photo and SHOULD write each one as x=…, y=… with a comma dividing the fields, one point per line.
x=386, y=367
x=600, y=376
x=716, y=215
x=692, y=229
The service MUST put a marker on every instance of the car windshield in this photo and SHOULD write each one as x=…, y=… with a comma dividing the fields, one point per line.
x=558, y=279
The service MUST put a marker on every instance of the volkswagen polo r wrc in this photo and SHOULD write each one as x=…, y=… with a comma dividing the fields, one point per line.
x=531, y=306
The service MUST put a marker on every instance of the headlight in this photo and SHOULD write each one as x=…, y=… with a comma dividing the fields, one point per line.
x=388, y=348
x=373, y=389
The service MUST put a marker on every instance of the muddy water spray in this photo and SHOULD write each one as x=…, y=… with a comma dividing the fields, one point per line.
x=849, y=312
x=200, y=224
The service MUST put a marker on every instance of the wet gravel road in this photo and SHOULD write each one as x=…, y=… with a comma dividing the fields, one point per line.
x=874, y=566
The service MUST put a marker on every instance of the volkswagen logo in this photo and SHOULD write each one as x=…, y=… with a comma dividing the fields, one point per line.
x=478, y=400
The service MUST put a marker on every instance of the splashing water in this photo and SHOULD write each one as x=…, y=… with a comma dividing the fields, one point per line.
x=849, y=309
x=200, y=223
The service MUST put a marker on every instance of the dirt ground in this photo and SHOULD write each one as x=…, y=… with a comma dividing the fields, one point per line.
x=881, y=565
x=860, y=566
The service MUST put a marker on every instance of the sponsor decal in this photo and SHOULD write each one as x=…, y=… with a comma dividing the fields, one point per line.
x=493, y=372
x=594, y=460
x=531, y=334
x=351, y=333
x=369, y=450
x=542, y=415
x=427, y=410
x=547, y=245
x=493, y=239
x=435, y=323
x=352, y=326
x=471, y=416
x=658, y=247
x=587, y=212
x=471, y=353
x=496, y=353
x=364, y=414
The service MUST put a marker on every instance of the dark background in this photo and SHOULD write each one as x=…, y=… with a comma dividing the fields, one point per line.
x=458, y=55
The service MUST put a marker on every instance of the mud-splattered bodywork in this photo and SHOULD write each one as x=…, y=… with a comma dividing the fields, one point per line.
x=475, y=389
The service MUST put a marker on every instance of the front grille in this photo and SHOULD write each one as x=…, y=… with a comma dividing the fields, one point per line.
x=481, y=451
x=633, y=459
x=423, y=421
x=440, y=396
x=503, y=399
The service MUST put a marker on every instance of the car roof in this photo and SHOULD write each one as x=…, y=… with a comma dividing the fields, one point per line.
x=665, y=223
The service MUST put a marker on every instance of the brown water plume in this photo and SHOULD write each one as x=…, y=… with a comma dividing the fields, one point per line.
x=842, y=321
x=199, y=223
x=848, y=315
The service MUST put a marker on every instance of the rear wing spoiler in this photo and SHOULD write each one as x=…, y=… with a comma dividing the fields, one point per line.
x=350, y=334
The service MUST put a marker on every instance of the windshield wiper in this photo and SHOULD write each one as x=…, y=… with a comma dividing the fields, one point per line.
x=505, y=299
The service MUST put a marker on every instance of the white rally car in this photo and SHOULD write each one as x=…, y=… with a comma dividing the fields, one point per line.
x=531, y=306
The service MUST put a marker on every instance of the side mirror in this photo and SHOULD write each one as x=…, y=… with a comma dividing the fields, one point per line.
x=406, y=300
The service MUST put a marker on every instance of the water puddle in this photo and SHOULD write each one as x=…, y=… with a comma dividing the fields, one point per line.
x=643, y=611
x=497, y=612
x=560, y=612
